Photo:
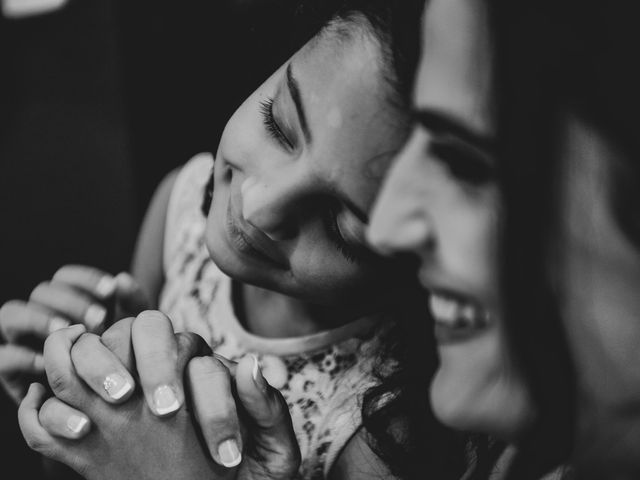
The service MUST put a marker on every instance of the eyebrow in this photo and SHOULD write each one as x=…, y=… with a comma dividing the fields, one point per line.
x=294, y=90
x=440, y=122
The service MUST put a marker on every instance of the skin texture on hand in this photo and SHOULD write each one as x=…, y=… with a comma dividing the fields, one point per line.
x=133, y=439
x=76, y=294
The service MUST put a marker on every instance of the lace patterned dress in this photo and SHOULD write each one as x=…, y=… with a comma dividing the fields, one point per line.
x=322, y=376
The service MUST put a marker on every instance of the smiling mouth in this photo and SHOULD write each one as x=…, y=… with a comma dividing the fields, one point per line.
x=456, y=318
x=248, y=240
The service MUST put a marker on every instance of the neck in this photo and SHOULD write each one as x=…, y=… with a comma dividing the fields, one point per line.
x=270, y=314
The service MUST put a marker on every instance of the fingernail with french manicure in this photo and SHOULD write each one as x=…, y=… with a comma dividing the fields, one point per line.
x=117, y=386
x=38, y=362
x=77, y=424
x=165, y=400
x=57, y=323
x=124, y=280
x=258, y=378
x=106, y=286
x=229, y=453
x=94, y=316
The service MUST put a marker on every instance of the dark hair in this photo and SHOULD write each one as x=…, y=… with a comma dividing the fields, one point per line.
x=397, y=416
x=538, y=344
x=396, y=25
x=557, y=56
x=397, y=413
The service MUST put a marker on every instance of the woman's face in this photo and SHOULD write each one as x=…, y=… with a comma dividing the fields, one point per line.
x=597, y=275
x=291, y=188
x=441, y=202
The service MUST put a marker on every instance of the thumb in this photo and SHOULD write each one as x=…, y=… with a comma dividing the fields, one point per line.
x=272, y=439
x=131, y=298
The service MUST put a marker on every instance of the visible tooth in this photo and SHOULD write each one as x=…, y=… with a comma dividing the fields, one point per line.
x=457, y=315
x=475, y=316
x=468, y=315
x=444, y=309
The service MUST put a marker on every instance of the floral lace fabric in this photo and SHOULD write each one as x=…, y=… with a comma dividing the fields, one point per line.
x=322, y=376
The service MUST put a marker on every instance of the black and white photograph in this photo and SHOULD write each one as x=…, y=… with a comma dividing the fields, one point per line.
x=319, y=240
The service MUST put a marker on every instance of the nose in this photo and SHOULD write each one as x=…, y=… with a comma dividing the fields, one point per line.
x=401, y=221
x=270, y=204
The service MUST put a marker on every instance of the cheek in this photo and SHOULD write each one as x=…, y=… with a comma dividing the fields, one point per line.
x=477, y=389
x=469, y=243
x=317, y=265
x=469, y=370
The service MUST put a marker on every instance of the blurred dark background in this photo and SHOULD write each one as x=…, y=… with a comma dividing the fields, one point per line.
x=98, y=101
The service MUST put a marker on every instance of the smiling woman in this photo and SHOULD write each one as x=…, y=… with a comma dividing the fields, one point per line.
x=441, y=202
x=284, y=176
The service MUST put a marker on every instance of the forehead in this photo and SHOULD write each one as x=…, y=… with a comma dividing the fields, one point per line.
x=348, y=98
x=455, y=74
x=343, y=61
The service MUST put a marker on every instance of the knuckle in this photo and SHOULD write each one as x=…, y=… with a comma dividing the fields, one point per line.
x=118, y=332
x=61, y=382
x=206, y=367
x=72, y=268
x=63, y=271
x=40, y=289
x=152, y=325
x=83, y=348
x=150, y=318
x=37, y=442
x=8, y=309
x=85, y=341
x=217, y=418
x=53, y=340
x=157, y=356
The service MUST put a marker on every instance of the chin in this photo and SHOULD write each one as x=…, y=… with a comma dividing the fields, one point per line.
x=450, y=404
x=458, y=405
x=236, y=267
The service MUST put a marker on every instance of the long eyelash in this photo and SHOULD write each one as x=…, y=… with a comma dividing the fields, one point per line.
x=266, y=109
x=208, y=196
x=331, y=224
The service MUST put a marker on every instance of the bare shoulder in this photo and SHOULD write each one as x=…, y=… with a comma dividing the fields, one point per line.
x=358, y=461
x=147, y=265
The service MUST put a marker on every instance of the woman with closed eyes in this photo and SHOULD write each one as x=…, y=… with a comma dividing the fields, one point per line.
x=277, y=267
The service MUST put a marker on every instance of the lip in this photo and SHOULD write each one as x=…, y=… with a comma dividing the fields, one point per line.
x=446, y=336
x=248, y=240
x=463, y=325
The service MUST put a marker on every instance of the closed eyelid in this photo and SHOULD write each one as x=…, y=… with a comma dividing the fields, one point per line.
x=296, y=96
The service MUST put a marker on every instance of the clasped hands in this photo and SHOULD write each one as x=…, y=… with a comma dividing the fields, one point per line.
x=140, y=401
